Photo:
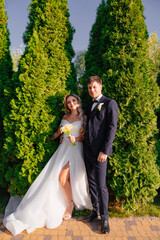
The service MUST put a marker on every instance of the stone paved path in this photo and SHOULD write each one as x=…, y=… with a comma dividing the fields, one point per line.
x=76, y=229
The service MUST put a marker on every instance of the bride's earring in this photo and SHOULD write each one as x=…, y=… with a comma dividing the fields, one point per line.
x=68, y=216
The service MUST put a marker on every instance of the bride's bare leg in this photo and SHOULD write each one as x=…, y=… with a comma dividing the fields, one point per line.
x=64, y=179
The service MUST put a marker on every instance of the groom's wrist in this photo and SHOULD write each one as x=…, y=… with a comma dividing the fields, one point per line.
x=79, y=139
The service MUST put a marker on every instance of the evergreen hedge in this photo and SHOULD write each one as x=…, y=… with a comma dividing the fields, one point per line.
x=43, y=74
x=93, y=56
x=128, y=77
x=6, y=83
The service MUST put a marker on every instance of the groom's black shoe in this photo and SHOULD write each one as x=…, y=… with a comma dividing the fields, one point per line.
x=91, y=217
x=105, y=227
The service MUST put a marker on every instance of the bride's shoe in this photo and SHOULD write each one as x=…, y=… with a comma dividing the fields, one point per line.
x=69, y=215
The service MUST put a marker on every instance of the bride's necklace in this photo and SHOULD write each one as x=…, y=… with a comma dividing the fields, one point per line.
x=74, y=117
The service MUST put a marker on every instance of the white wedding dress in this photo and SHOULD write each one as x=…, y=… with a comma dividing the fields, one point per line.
x=44, y=203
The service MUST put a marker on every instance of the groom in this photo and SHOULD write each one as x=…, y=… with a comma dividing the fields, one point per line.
x=102, y=115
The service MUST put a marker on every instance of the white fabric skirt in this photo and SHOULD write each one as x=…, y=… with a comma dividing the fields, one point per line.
x=44, y=203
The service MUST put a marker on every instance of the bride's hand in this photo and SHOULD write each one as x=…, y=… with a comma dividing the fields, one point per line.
x=61, y=139
x=72, y=139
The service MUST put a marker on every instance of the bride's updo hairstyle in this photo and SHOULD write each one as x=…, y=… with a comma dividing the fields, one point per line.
x=80, y=111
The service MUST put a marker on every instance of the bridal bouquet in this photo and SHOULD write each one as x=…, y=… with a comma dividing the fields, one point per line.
x=67, y=130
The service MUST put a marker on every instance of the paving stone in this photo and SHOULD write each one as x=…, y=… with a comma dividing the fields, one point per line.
x=155, y=228
x=74, y=229
x=131, y=238
x=69, y=233
x=48, y=237
x=18, y=237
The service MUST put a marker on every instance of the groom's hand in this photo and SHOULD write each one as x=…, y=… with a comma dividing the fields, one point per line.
x=102, y=157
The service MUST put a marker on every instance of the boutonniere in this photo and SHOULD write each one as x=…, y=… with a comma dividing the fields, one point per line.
x=100, y=106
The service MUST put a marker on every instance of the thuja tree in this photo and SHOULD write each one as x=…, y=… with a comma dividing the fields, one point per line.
x=38, y=16
x=154, y=54
x=71, y=83
x=158, y=112
x=93, y=57
x=6, y=85
x=158, y=122
x=129, y=78
x=37, y=109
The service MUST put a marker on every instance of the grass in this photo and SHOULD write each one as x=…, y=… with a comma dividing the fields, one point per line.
x=115, y=209
x=149, y=210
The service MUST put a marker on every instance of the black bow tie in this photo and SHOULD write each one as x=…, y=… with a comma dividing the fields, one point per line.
x=94, y=101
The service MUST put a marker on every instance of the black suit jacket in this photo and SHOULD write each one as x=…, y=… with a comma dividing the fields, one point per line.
x=101, y=127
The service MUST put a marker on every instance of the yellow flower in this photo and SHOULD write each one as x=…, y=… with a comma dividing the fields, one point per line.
x=67, y=130
x=100, y=106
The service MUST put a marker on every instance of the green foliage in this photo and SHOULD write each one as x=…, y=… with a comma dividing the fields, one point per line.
x=158, y=111
x=115, y=210
x=154, y=52
x=71, y=83
x=128, y=77
x=79, y=64
x=52, y=15
x=4, y=198
x=44, y=69
x=158, y=122
x=6, y=83
x=154, y=55
x=93, y=57
x=16, y=56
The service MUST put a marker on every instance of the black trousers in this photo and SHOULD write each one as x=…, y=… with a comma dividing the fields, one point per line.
x=96, y=172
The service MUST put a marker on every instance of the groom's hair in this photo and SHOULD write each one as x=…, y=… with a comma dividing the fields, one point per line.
x=94, y=79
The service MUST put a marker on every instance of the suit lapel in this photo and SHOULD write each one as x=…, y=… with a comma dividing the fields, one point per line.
x=92, y=113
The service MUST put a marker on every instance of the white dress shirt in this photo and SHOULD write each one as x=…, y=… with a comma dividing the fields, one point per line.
x=96, y=103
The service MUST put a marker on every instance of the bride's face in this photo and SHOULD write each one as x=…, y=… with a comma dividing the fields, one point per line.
x=72, y=103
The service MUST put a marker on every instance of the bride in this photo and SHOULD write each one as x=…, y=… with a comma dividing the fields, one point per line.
x=61, y=185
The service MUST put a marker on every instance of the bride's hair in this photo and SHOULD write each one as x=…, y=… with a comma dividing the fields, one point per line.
x=80, y=111
x=68, y=111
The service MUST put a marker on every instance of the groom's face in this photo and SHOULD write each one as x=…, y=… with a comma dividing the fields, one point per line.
x=94, y=89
